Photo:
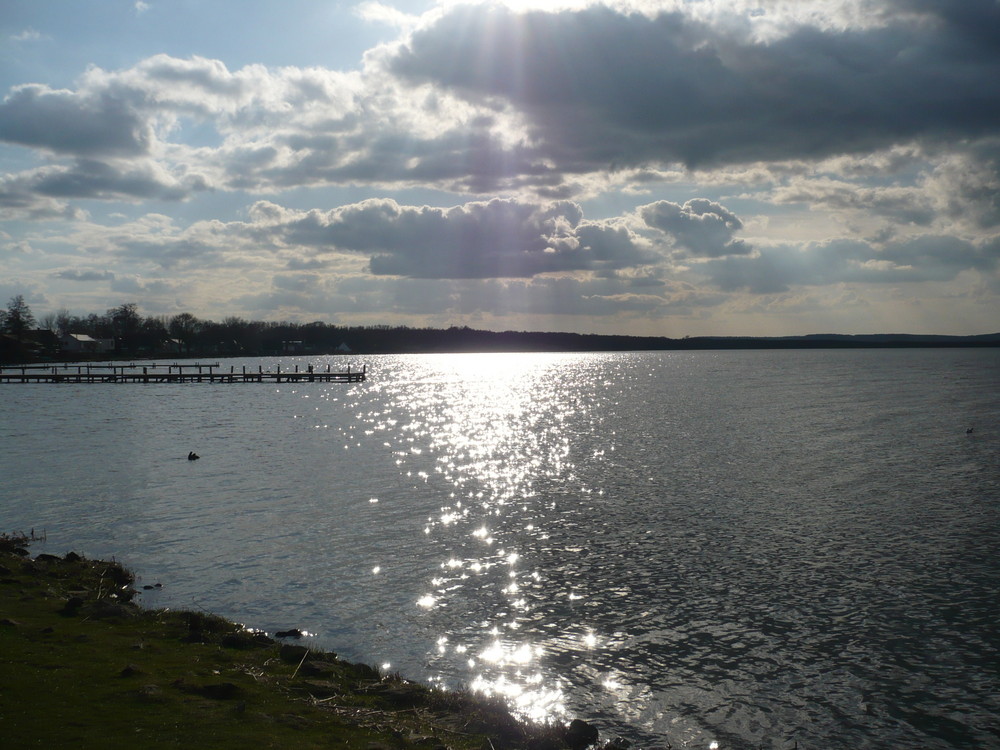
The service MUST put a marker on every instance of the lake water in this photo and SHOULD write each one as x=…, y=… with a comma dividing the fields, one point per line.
x=712, y=549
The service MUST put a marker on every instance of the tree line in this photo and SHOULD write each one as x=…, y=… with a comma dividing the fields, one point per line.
x=132, y=334
x=124, y=332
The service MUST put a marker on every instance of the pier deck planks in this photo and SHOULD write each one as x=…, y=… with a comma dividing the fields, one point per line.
x=176, y=373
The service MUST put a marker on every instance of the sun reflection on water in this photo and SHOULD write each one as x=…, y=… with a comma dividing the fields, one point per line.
x=490, y=429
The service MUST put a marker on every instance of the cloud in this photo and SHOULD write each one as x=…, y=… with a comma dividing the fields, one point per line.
x=19, y=200
x=28, y=35
x=77, y=275
x=920, y=259
x=102, y=180
x=66, y=122
x=601, y=87
x=377, y=12
x=493, y=239
x=702, y=227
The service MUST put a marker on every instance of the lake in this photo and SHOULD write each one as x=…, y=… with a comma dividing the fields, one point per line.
x=708, y=549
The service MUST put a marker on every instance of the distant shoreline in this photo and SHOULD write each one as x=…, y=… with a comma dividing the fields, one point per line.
x=334, y=340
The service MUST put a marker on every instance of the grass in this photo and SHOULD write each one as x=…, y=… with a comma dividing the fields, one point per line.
x=82, y=666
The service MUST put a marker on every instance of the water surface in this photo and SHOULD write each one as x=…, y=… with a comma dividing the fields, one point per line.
x=741, y=548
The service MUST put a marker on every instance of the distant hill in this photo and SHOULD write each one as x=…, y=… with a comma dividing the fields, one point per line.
x=839, y=340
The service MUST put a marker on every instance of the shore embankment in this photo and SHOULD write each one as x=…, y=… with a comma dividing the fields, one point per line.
x=82, y=665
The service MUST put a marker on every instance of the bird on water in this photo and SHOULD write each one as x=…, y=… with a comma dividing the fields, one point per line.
x=192, y=456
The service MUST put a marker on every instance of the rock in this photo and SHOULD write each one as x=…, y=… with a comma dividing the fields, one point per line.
x=103, y=609
x=72, y=606
x=545, y=743
x=220, y=691
x=617, y=743
x=46, y=558
x=293, y=633
x=151, y=693
x=580, y=734
x=214, y=690
x=72, y=557
x=9, y=623
x=317, y=669
x=292, y=654
x=400, y=695
x=365, y=672
x=244, y=640
x=321, y=688
x=130, y=671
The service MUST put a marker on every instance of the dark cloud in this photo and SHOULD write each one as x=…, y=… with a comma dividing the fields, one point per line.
x=69, y=123
x=42, y=193
x=494, y=239
x=19, y=200
x=604, y=88
x=88, y=178
x=702, y=227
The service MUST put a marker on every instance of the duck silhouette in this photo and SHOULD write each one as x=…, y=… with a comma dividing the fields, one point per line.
x=192, y=456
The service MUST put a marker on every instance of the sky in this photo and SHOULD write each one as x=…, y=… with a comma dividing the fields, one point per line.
x=661, y=167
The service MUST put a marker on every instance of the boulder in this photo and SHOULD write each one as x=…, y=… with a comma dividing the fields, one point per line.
x=580, y=734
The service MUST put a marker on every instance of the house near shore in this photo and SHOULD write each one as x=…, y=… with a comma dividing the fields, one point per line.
x=81, y=343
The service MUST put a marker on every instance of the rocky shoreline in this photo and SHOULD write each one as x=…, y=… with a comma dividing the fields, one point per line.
x=84, y=664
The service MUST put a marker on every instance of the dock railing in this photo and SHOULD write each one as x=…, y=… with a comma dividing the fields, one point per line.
x=197, y=372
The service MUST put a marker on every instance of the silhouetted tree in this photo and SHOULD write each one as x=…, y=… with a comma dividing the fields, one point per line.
x=18, y=319
x=66, y=323
x=152, y=333
x=98, y=326
x=185, y=327
x=126, y=324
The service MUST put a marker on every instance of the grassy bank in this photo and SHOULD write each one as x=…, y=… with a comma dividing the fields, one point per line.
x=82, y=666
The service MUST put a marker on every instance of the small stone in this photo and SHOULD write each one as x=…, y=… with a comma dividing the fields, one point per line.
x=580, y=734
x=151, y=693
x=130, y=671
x=317, y=669
x=292, y=654
x=72, y=606
x=105, y=608
x=220, y=690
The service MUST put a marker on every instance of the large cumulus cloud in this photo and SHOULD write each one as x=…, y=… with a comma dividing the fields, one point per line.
x=482, y=99
x=603, y=87
x=491, y=239
x=68, y=122
x=701, y=227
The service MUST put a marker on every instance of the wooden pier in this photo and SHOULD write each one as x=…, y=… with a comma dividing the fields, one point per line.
x=174, y=373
